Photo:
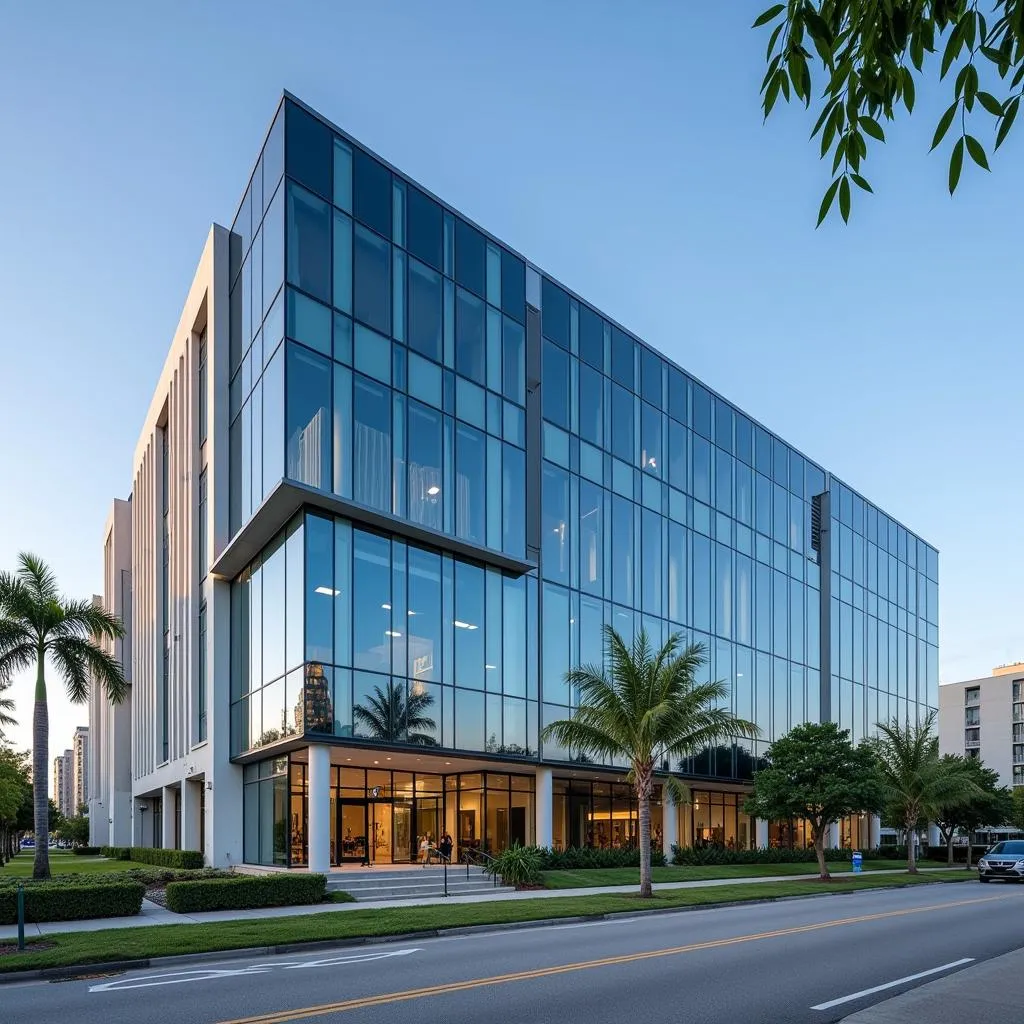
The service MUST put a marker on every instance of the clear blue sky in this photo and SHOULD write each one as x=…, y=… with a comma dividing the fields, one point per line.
x=619, y=146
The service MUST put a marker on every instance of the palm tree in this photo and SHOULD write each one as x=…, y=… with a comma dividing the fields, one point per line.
x=389, y=717
x=915, y=780
x=6, y=707
x=39, y=626
x=646, y=708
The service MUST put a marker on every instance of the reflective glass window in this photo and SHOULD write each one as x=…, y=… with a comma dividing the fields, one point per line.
x=273, y=422
x=469, y=335
x=622, y=424
x=308, y=411
x=469, y=625
x=320, y=589
x=555, y=531
x=513, y=347
x=425, y=462
x=622, y=358
x=650, y=440
x=701, y=587
x=342, y=262
x=723, y=425
x=343, y=175
x=308, y=144
x=591, y=537
x=700, y=410
x=273, y=251
x=371, y=613
x=591, y=404
x=677, y=394
x=513, y=286
x=309, y=243
x=676, y=608
x=372, y=293
x=272, y=573
x=591, y=339
x=701, y=455
x=308, y=321
x=555, y=313
x=762, y=451
x=652, y=566
x=677, y=455
x=650, y=376
x=424, y=616
x=424, y=328
x=513, y=500
x=470, y=483
x=744, y=439
x=423, y=228
x=555, y=386
x=723, y=481
x=555, y=657
x=371, y=193
x=371, y=448
x=470, y=258
x=622, y=551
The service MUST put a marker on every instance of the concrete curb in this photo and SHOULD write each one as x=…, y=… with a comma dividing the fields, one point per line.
x=121, y=966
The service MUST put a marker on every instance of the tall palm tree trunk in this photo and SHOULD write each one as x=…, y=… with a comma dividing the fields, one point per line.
x=911, y=850
x=643, y=794
x=40, y=775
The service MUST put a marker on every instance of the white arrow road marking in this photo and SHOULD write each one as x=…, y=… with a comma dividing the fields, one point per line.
x=213, y=974
x=892, y=984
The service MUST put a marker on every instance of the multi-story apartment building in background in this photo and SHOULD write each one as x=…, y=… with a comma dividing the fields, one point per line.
x=984, y=718
x=80, y=751
x=64, y=783
x=110, y=725
x=393, y=481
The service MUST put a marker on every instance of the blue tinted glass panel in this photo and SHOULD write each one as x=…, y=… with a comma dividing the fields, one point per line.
x=676, y=394
x=319, y=582
x=371, y=193
x=470, y=258
x=591, y=340
x=591, y=537
x=273, y=158
x=513, y=286
x=309, y=322
x=650, y=376
x=373, y=354
x=622, y=424
x=309, y=243
x=308, y=143
x=343, y=175
x=622, y=358
x=555, y=313
x=622, y=551
x=744, y=439
x=372, y=302
x=371, y=620
x=700, y=410
x=555, y=387
x=469, y=335
x=423, y=228
x=424, y=327
x=371, y=470
x=308, y=413
x=469, y=626
x=470, y=484
x=701, y=469
x=762, y=451
x=273, y=251
x=651, y=453
x=555, y=532
x=513, y=501
x=342, y=262
x=677, y=455
x=591, y=405
x=723, y=425
x=513, y=357
x=425, y=464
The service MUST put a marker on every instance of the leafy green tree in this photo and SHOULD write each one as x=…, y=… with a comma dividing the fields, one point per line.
x=814, y=772
x=645, y=709
x=388, y=715
x=75, y=830
x=990, y=804
x=40, y=627
x=859, y=61
x=15, y=788
x=916, y=783
x=1017, y=810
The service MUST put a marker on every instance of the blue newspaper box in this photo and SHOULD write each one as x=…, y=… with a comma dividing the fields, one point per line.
x=858, y=860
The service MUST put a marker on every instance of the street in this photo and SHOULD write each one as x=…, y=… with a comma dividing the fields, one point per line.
x=809, y=960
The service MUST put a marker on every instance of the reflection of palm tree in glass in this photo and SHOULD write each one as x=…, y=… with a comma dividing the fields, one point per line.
x=388, y=716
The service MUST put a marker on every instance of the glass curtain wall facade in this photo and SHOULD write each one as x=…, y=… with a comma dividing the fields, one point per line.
x=515, y=471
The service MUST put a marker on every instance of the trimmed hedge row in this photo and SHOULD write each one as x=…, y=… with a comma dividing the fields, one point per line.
x=86, y=851
x=576, y=858
x=701, y=856
x=77, y=901
x=246, y=892
x=188, y=859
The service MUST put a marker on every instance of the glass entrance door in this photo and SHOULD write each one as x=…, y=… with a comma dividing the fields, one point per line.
x=351, y=825
x=402, y=833
x=430, y=819
x=380, y=823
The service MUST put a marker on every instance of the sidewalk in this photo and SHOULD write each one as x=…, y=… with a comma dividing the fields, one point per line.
x=155, y=915
x=991, y=991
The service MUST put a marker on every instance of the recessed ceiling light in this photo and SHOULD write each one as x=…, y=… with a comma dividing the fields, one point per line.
x=459, y=624
x=433, y=489
x=348, y=758
x=391, y=632
x=490, y=666
x=328, y=591
x=386, y=607
x=388, y=759
x=376, y=762
x=410, y=612
x=447, y=762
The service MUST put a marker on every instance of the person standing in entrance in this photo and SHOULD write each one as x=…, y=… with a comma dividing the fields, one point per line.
x=445, y=847
x=424, y=850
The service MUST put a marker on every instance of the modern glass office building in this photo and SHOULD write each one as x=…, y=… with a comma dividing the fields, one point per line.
x=442, y=473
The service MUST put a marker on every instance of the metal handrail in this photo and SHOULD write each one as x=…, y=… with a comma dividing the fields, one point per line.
x=482, y=859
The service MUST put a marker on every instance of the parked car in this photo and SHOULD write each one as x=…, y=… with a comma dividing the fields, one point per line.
x=1005, y=860
x=28, y=843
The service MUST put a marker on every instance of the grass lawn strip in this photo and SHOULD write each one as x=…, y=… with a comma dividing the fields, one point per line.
x=568, y=879
x=126, y=944
x=68, y=864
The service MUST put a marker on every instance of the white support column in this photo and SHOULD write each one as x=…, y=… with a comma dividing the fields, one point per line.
x=544, y=808
x=190, y=815
x=670, y=826
x=834, y=836
x=167, y=823
x=934, y=836
x=319, y=808
x=760, y=833
x=874, y=831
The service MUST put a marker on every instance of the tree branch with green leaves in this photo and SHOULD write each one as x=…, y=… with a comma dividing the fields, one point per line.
x=858, y=61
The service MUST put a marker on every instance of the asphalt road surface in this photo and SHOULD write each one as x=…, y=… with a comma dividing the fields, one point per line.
x=808, y=960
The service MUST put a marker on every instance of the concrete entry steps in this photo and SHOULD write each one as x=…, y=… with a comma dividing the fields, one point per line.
x=406, y=883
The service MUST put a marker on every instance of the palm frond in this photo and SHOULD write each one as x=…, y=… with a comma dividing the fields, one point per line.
x=99, y=667
x=38, y=577
x=85, y=619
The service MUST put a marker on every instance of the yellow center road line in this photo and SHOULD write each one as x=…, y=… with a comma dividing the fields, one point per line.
x=383, y=999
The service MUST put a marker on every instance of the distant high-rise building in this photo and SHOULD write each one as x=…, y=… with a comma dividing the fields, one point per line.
x=63, y=782
x=80, y=773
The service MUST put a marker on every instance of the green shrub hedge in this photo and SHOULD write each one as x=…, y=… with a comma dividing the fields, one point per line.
x=188, y=859
x=86, y=851
x=576, y=858
x=246, y=892
x=701, y=856
x=72, y=901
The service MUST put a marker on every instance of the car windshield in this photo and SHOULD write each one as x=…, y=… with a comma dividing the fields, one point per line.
x=1013, y=847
